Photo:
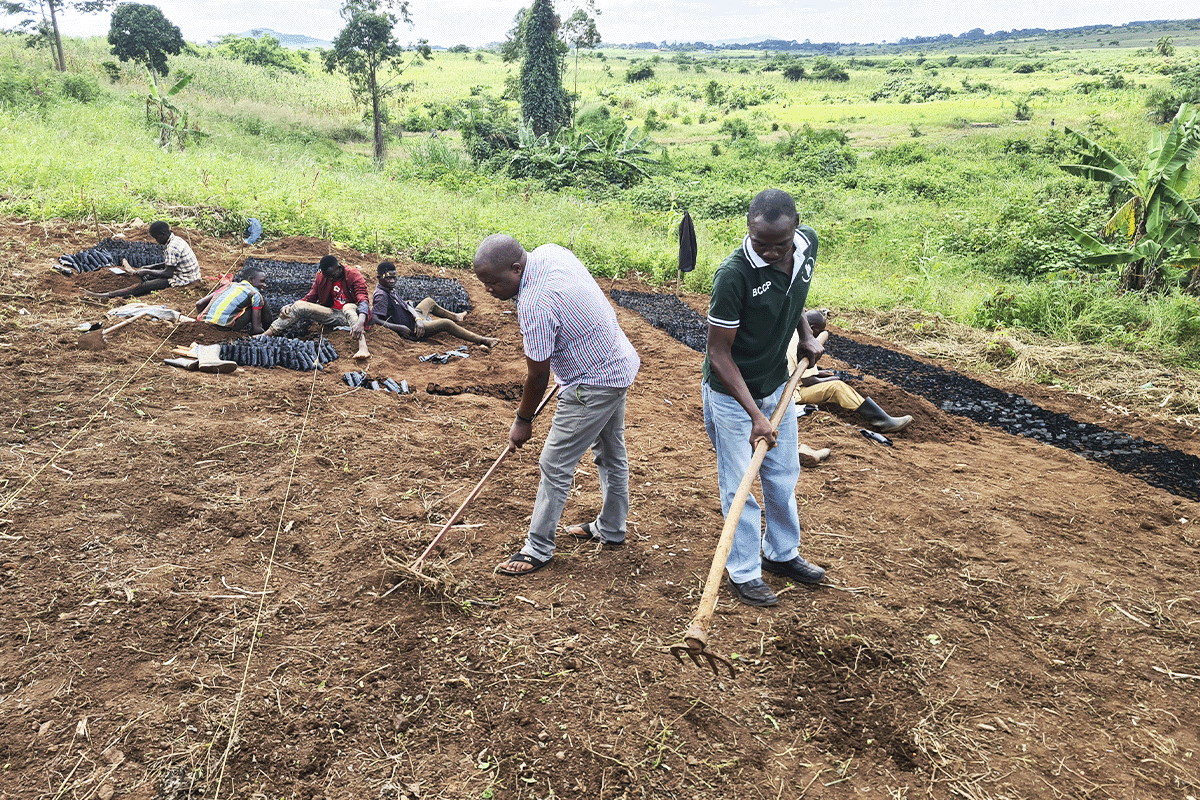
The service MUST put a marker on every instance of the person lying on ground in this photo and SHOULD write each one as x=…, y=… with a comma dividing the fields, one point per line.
x=338, y=297
x=179, y=268
x=237, y=306
x=823, y=386
x=758, y=298
x=570, y=330
x=418, y=322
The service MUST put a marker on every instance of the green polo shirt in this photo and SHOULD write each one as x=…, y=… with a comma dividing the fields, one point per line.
x=765, y=307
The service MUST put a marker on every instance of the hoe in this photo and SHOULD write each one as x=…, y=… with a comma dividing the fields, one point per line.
x=415, y=567
x=695, y=641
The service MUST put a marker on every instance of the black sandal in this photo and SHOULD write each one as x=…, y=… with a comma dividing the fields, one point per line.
x=521, y=558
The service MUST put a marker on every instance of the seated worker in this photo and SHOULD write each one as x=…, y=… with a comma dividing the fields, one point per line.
x=822, y=386
x=338, y=297
x=237, y=306
x=417, y=322
x=179, y=266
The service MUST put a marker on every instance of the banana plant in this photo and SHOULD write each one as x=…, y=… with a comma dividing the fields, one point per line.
x=171, y=121
x=1155, y=228
x=616, y=157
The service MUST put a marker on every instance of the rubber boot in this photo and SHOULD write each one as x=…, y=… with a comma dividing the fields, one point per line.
x=209, y=360
x=878, y=419
x=810, y=457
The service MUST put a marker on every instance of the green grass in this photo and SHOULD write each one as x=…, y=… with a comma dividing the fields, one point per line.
x=942, y=205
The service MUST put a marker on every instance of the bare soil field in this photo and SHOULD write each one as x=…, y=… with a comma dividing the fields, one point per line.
x=203, y=590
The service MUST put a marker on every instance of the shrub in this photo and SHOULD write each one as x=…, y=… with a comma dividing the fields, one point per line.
x=736, y=127
x=824, y=69
x=80, y=88
x=794, y=72
x=902, y=154
x=639, y=73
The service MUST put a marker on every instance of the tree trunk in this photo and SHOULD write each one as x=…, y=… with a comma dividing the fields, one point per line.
x=380, y=149
x=59, y=59
x=1132, y=278
x=1193, y=284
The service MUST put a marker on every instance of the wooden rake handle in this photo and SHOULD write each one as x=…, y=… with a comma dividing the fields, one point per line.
x=416, y=565
x=697, y=635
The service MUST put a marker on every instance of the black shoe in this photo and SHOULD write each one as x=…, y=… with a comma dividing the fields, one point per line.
x=753, y=592
x=797, y=569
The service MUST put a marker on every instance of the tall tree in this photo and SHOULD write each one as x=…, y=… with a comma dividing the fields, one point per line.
x=40, y=29
x=366, y=48
x=543, y=101
x=580, y=31
x=141, y=33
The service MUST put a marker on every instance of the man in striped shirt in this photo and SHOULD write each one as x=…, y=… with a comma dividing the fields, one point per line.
x=569, y=329
x=237, y=306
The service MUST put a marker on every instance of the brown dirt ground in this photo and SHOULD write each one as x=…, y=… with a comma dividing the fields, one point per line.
x=192, y=571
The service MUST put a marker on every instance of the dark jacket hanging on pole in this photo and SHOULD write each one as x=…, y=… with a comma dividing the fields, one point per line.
x=687, y=244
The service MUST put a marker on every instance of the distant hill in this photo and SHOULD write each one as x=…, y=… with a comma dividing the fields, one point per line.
x=1084, y=35
x=293, y=40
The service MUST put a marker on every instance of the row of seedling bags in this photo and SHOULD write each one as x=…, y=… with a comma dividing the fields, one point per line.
x=111, y=253
x=276, y=351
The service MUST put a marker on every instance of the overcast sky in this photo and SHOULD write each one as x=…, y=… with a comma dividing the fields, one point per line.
x=479, y=22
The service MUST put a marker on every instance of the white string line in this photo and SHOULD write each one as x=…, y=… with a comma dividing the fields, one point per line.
x=16, y=494
x=262, y=600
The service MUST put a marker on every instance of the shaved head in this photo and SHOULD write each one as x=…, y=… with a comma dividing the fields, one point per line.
x=771, y=204
x=499, y=249
x=499, y=264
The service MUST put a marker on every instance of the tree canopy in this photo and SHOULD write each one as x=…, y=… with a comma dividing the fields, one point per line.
x=141, y=33
x=544, y=105
x=265, y=51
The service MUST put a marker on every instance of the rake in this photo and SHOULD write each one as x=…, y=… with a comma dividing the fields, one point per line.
x=415, y=567
x=695, y=641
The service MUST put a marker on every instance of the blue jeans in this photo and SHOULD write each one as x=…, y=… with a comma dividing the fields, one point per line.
x=585, y=417
x=728, y=427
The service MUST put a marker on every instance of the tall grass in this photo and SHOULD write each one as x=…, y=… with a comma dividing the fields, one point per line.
x=927, y=206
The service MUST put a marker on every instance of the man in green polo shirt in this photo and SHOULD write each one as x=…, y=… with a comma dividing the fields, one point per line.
x=757, y=303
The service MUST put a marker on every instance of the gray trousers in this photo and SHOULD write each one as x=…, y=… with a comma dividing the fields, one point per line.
x=586, y=417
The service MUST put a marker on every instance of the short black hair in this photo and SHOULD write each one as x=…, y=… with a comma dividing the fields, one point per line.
x=384, y=266
x=159, y=228
x=771, y=204
x=249, y=272
x=329, y=263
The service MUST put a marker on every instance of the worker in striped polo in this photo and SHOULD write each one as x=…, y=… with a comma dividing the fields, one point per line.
x=570, y=330
x=239, y=305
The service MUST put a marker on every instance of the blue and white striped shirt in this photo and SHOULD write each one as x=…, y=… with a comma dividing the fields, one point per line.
x=566, y=318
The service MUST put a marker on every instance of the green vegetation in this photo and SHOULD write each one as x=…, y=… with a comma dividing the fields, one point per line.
x=141, y=33
x=365, y=51
x=926, y=188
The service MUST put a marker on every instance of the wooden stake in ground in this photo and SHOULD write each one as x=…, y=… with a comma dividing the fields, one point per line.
x=695, y=641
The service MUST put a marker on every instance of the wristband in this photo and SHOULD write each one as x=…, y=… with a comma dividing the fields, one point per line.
x=527, y=420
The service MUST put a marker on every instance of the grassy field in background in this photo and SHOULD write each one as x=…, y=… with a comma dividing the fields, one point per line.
x=949, y=205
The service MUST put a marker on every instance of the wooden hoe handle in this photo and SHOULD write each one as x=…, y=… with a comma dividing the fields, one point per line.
x=416, y=565
x=697, y=635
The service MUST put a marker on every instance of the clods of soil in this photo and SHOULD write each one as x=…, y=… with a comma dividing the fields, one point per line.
x=204, y=592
